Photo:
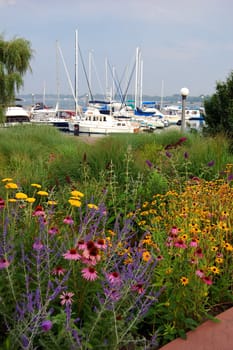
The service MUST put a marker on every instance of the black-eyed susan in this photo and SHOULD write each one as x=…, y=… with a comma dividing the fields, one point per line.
x=214, y=269
x=146, y=256
x=228, y=246
x=184, y=281
x=219, y=260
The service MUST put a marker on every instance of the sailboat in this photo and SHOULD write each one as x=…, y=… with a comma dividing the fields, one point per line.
x=60, y=118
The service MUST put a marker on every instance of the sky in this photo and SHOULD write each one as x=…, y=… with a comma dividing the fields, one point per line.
x=182, y=43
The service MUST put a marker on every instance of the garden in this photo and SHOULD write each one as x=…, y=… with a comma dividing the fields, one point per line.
x=121, y=244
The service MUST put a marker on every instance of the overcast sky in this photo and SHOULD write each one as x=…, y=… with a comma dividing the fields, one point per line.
x=183, y=43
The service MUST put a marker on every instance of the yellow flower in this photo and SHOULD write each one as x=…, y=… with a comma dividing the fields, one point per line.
x=219, y=260
x=36, y=185
x=21, y=195
x=42, y=193
x=112, y=233
x=214, y=249
x=11, y=185
x=52, y=203
x=184, y=281
x=77, y=194
x=7, y=179
x=92, y=206
x=214, y=269
x=75, y=203
x=30, y=200
x=12, y=200
x=228, y=246
x=146, y=256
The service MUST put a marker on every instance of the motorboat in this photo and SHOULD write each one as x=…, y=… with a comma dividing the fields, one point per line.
x=16, y=115
x=94, y=122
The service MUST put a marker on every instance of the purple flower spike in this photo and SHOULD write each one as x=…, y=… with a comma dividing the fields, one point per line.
x=186, y=155
x=211, y=163
x=168, y=154
x=148, y=162
x=46, y=325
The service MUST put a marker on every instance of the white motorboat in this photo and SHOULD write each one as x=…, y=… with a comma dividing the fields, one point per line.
x=16, y=115
x=94, y=122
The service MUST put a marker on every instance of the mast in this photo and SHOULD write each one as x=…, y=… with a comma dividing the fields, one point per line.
x=137, y=76
x=141, y=80
x=106, y=78
x=90, y=70
x=162, y=92
x=76, y=72
x=57, y=75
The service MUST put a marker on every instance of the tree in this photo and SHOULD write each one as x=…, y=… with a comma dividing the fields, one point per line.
x=15, y=56
x=219, y=108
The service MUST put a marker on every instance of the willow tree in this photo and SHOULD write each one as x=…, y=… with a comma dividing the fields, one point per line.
x=15, y=56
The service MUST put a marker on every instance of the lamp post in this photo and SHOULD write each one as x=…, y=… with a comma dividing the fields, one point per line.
x=184, y=93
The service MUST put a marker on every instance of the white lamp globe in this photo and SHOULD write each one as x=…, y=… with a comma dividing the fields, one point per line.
x=184, y=92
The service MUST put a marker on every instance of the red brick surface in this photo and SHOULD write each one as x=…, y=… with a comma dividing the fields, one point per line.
x=208, y=336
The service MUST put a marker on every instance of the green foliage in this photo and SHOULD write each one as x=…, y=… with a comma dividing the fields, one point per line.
x=219, y=108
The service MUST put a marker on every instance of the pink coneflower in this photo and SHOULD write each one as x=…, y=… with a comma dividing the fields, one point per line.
x=194, y=261
x=66, y=298
x=2, y=203
x=159, y=257
x=72, y=254
x=180, y=244
x=4, y=263
x=200, y=273
x=89, y=273
x=37, y=245
x=199, y=253
x=58, y=271
x=53, y=231
x=114, y=278
x=138, y=288
x=81, y=245
x=101, y=243
x=193, y=243
x=90, y=244
x=68, y=220
x=39, y=211
x=174, y=231
x=92, y=255
x=207, y=280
